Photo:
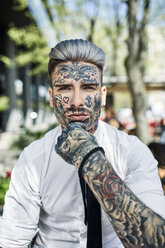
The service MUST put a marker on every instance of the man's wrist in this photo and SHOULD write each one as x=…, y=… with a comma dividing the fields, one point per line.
x=95, y=149
x=82, y=151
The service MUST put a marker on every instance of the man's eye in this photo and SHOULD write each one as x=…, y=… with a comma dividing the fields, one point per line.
x=90, y=87
x=63, y=88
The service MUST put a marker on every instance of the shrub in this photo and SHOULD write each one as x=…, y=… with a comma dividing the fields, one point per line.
x=4, y=185
x=27, y=136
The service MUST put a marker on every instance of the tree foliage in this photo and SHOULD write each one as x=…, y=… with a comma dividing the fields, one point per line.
x=76, y=20
x=32, y=48
x=108, y=24
x=4, y=103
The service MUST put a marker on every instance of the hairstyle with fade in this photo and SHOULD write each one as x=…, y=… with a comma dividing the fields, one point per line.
x=76, y=50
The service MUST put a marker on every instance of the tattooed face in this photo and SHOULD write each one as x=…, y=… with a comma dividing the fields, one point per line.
x=76, y=94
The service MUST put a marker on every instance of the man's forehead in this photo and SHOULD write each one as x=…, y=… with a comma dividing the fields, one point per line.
x=86, y=73
x=72, y=67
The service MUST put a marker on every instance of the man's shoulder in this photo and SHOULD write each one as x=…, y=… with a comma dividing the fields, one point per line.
x=43, y=144
x=126, y=152
x=35, y=157
x=116, y=136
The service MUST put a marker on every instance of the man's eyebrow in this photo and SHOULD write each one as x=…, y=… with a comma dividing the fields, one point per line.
x=61, y=84
x=90, y=84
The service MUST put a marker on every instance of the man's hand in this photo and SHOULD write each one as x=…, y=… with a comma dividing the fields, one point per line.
x=74, y=143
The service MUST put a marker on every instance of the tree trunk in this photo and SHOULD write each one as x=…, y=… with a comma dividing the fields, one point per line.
x=92, y=28
x=135, y=68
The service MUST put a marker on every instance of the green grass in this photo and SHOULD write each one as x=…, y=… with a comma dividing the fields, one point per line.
x=4, y=185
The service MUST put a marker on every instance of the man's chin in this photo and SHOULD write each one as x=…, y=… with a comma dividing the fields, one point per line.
x=86, y=126
x=81, y=123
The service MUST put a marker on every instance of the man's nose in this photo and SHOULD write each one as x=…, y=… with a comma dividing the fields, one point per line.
x=77, y=99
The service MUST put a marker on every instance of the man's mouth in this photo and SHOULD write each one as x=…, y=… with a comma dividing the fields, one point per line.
x=77, y=117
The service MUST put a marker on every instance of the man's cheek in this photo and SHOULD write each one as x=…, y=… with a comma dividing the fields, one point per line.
x=58, y=105
x=88, y=101
x=66, y=99
x=97, y=102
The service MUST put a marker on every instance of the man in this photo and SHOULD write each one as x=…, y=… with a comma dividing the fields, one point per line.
x=158, y=150
x=45, y=198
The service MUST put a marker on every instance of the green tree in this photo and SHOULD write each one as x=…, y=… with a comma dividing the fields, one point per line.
x=32, y=46
x=106, y=24
x=135, y=65
x=4, y=103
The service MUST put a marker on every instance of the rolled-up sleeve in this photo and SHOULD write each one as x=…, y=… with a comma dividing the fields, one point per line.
x=19, y=223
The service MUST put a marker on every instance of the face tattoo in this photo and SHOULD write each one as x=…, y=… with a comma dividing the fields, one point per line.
x=87, y=76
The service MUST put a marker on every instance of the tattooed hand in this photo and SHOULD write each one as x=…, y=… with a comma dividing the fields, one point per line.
x=74, y=143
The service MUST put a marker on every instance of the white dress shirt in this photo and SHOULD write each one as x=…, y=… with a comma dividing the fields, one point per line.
x=45, y=197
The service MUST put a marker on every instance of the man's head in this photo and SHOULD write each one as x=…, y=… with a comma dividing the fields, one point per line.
x=76, y=69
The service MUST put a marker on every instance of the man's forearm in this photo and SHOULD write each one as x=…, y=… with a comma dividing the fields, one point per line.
x=135, y=223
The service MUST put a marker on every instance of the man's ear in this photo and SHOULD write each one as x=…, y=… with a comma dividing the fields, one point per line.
x=50, y=97
x=103, y=96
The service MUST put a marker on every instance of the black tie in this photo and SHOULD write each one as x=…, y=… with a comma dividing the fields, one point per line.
x=92, y=216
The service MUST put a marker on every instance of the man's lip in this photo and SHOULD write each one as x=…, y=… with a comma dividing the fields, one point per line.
x=77, y=117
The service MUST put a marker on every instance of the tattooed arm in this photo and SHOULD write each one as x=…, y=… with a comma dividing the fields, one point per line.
x=135, y=223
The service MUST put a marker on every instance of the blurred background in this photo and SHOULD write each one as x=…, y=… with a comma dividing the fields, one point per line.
x=131, y=33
